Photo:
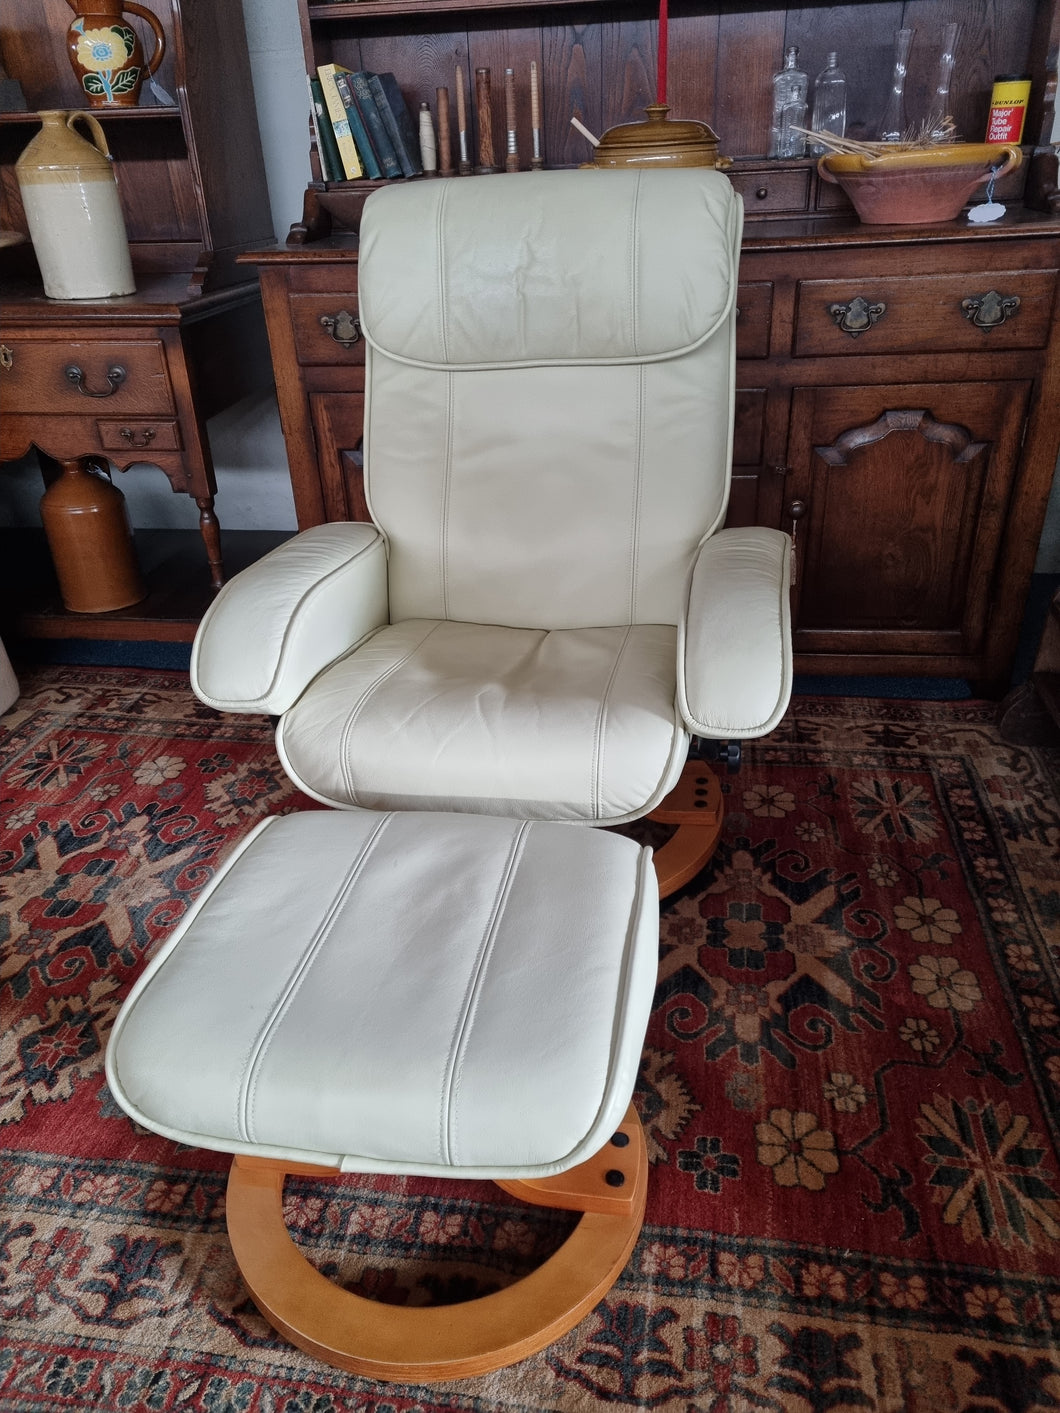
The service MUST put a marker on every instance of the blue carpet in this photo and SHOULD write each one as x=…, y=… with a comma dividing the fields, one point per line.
x=104, y=653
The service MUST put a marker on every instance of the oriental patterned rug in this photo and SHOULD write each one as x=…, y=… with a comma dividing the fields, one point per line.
x=850, y=1088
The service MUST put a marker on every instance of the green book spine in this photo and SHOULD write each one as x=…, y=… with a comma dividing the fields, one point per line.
x=391, y=105
x=330, y=162
x=384, y=148
x=357, y=127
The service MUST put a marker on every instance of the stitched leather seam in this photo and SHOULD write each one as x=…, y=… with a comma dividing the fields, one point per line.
x=595, y=793
x=439, y=245
x=271, y=1025
x=443, y=325
x=634, y=265
x=315, y=591
x=462, y=1031
x=638, y=495
x=304, y=600
x=447, y=490
x=357, y=706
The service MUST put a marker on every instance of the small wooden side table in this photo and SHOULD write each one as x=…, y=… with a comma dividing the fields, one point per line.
x=130, y=379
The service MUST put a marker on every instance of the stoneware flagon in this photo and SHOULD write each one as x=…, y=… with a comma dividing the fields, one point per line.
x=91, y=540
x=73, y=211
x=106, y=53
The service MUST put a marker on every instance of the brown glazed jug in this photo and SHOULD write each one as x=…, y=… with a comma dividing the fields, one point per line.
x=106, y=53
x=73, y=209
x=87, y=526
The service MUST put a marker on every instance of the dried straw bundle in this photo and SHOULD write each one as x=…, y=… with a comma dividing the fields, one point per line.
x=918, y=139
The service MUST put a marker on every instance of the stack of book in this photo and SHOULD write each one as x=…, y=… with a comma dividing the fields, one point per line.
x=363, y=126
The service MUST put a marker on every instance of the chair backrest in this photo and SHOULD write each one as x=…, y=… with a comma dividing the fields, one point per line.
x=549, y=397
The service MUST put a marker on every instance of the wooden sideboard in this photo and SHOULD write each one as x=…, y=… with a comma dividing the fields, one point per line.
x=191, y=182
x=910, y=449
x=127, y=380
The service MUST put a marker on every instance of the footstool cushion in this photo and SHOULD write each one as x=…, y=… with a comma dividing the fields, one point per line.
x=439, y=994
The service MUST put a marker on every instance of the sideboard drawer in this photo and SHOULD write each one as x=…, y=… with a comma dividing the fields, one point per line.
x=132, y=434
x=1001, y=309
x=78, y=377
x=326, y=329
x=767, y=191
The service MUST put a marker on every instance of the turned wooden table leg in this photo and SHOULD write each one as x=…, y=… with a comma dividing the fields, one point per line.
x=210, y=530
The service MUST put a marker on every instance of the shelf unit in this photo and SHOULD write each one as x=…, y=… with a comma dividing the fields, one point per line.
x=190, y=340
x=191, y=174
x=598, y=61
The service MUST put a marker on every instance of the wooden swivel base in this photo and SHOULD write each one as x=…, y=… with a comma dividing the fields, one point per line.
x=423, y=1344
x=695, y=806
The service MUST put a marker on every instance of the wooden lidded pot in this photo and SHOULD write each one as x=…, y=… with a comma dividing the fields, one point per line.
x=660, y=142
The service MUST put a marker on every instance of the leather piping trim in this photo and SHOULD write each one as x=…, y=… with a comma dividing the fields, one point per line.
x=355, y=709
x=317, y=587
x=601, y=727
x=267, y=1033
x=462, y=1032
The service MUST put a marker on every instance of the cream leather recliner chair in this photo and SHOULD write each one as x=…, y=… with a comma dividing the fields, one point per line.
x=546, y=609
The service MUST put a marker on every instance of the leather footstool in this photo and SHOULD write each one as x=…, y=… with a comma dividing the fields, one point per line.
x=438, y=994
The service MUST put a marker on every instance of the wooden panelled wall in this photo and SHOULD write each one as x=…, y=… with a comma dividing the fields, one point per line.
x=600, y=62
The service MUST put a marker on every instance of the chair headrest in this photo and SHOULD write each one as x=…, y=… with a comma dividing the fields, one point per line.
x=587, y=266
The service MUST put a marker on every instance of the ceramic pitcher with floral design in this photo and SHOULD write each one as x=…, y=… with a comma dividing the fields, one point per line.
x=106, y=53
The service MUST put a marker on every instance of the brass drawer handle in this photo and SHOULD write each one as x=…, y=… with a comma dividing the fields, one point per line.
x=7, y=357
x=343, y=327
x=857, y=316
x=115, y=377
x=143, y=436
x=988, y=311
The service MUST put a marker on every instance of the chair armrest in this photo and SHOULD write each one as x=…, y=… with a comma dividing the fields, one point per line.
x=277, y=624
x=734, y=639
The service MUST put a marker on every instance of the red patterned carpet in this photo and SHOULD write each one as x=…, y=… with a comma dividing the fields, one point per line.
x=850, y=1086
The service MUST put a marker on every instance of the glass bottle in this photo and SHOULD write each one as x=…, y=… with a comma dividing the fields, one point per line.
x=893, y=124
x=790, y=87
x=940, y=105
x=829, y=103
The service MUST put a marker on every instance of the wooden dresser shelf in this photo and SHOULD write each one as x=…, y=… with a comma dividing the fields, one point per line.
x=173, y=564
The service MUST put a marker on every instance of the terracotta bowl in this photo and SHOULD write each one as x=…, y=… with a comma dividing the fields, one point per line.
x=916, y=188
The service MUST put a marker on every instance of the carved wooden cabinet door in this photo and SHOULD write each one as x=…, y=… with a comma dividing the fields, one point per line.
x=897, y=498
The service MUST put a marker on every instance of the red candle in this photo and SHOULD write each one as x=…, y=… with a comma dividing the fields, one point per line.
x=660, y=88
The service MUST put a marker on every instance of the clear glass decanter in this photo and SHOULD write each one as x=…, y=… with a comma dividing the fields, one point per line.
x=940, y=104
x=893, y=124
x=790, y=87
x=829, y=103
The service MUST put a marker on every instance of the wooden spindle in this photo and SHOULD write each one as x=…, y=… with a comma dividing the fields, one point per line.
x=511, y=155
x=484, y=113
x=536, y=159
x=445, y=150
x=428, y=145
x=464, y=162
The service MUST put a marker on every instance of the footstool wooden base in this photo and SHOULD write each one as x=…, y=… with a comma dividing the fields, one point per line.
x=448, y=996
x=425, y=1344
x=695, y=805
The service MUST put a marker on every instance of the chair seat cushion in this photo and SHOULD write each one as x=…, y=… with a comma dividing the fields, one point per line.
x=416, y=993
x=575, y=724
